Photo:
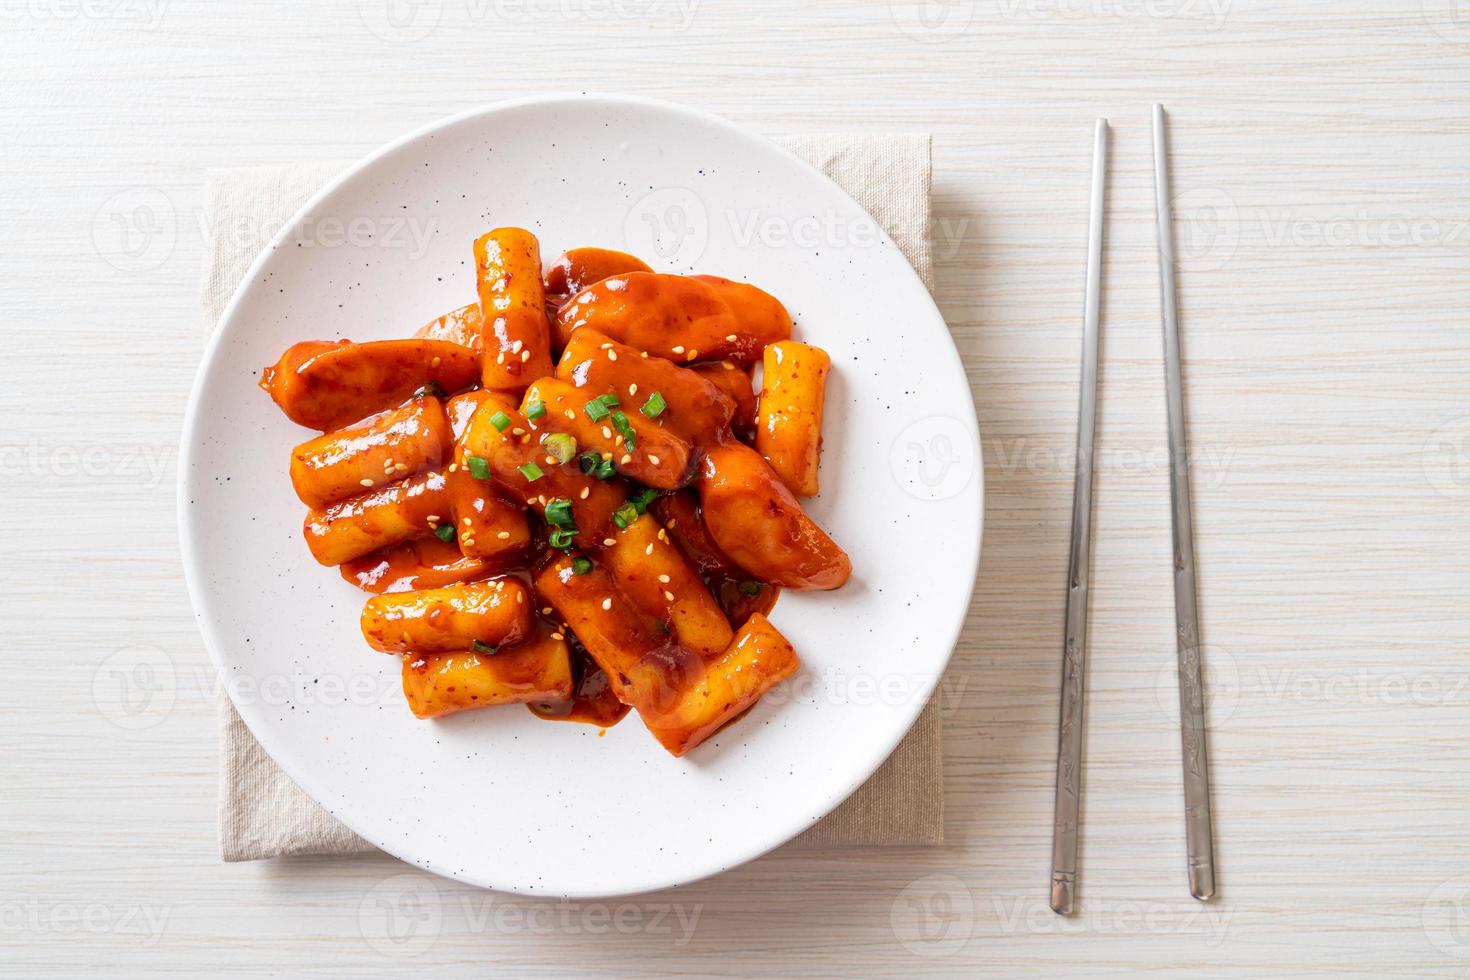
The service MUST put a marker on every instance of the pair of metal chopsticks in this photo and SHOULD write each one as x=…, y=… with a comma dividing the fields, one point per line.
x=1197, y=822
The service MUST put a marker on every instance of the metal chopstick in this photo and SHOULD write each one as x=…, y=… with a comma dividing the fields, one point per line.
x=1074, y=651
x=1198, y=826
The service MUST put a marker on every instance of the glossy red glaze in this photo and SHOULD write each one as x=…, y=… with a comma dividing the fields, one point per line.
x=592, y=702
x=325, y=386
x=683, y=318
x=657, y=456
x=387, y=447
x=757, y=521
x=426, y=563
x=697, y=410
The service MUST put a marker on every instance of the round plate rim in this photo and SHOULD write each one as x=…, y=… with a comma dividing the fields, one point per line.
x=199, y=597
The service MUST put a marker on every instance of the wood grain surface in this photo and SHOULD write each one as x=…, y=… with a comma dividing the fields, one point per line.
x=1320, y=156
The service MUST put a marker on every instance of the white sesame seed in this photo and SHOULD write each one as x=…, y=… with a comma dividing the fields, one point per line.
x=664, y=579
x=388, y=463
x=546, y=610
x=520, y=598
x=632, y=389
x=466, y=520
x=401, y=467
x=643, y=353
x=679, y=349
x=551, y=461
x=663, y=535
x=557, y=636
x=669, y=596
x=453, y=467
x=627, y=458
x=500, y=358
x=609, y=541
x=607, y=603
x=433, y=518
x=515, y=348
x=518, y=431
x=612, y=355
x=606, y=432
x=731, y=337
x=586, y=492
x=693, y=353
x=607, y=346
x=607, y=455
x=525, y=356
x=436, y=362
x=366, y=482
x=653, y=459
x=570, y=414
x=503, y=535
x=648, y=550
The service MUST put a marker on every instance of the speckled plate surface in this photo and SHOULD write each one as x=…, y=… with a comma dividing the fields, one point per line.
x=498, y=797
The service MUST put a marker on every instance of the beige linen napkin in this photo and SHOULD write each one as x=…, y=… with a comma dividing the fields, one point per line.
x=263, y=814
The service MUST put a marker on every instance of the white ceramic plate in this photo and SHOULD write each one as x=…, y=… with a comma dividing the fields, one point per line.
x=498, y=797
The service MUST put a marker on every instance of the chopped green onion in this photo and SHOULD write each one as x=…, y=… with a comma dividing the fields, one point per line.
x=625, y=515
x=581, y=566
x=605, y=470
x=588, y=462
x=480, y=646
x=642, y=500
x=560, y=445
x=535, y=409
x=562, y=537
x=432, y=388
x=479, y=468
x=531, y=471
x=750, y=588
x=620, y=422
x=598, y=407
x=559, y=513
x=655, y=406
x=444, y=532
x=500, y=420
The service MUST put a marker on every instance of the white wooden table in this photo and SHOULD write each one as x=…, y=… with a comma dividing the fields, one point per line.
x=1320, y=158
